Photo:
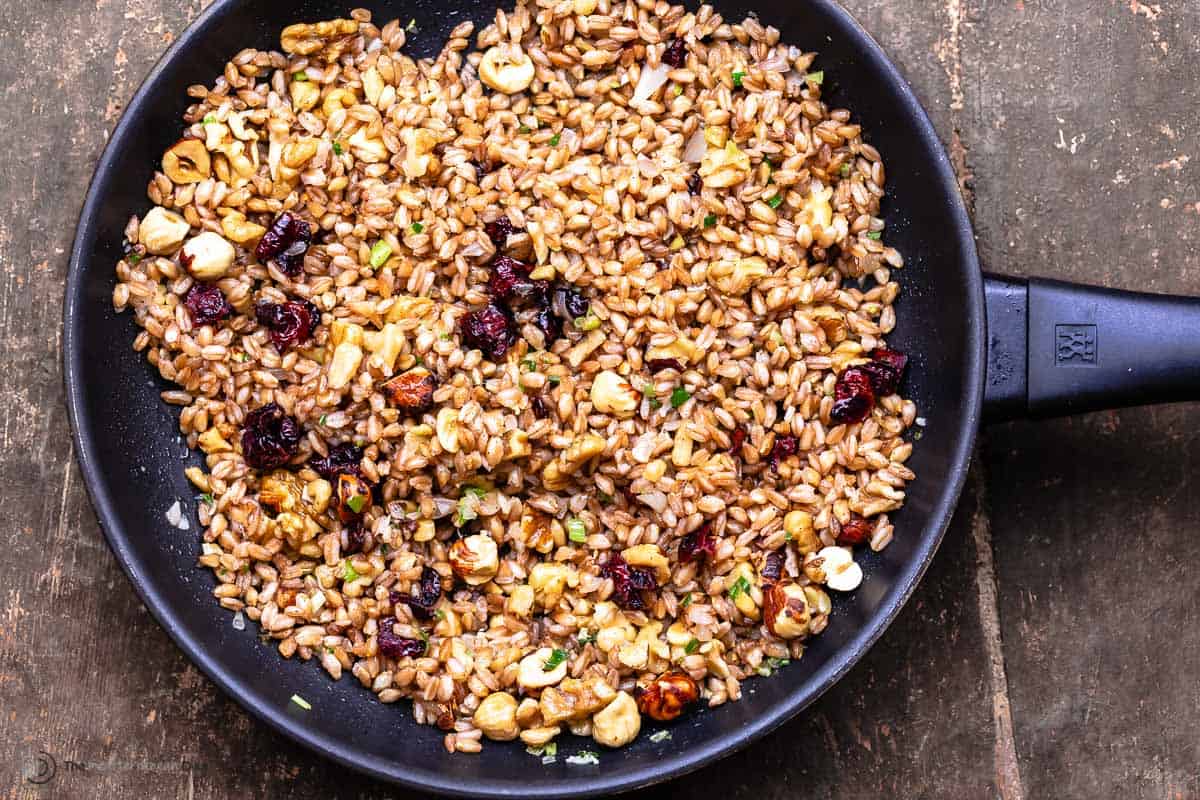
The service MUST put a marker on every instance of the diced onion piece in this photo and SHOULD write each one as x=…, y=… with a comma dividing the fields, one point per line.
x=693, y=151
x=649, y=82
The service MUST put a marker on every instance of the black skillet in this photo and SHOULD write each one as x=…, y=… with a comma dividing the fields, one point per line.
x=1034, y=347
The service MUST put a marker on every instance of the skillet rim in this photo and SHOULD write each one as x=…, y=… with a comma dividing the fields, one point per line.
x=679, y=763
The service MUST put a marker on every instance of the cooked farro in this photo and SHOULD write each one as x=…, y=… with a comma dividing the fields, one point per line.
x=545, y=384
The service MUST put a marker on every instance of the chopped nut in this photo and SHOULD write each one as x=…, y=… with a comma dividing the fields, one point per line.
x=211, y=441
x=738, y=277
x=581, y=449
x=506, y=68
x=817, y=210
x=497, y=717
x=520, y=602
x=518, y=445
x=724, y=167
x=207, y=256
x=799, y=526
x=584, y=348
x=536, y=737
x=612, y=394
x=187, y=162
x=786, y=610
x=162, y=231
x=682, y=349
x=841, y=571
x=305, y=38
x=681, y=451
x=649, y=555
x=371, y=151
x=446, y=426
x=238, y=229
x=384, y=346
x=345, y=363
x=664, y=698
x=549, y=580
x=634, y=655
x=408, y=307
x=418, y=149
x=618, y=723
x=305, y=95
x=411, y=391
x=532, y=672
x=475, y=559
x=584, y=7
x=744, y=597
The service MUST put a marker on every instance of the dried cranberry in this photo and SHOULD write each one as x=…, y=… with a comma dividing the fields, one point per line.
x=491, y=329
x=853, y=397
x=856, y=530
x=693, y=183
x=785, y=446
x=575, y=304
x=207, y=304
x=736, y=440
x=885, y=370
x=480, y=169
x=394, y=646
x=499, y=230
x=657, y=365
x=628, y=582
x=676, y=53
x=697, y=544
x=425, y=595
x=549, y=324
x=269, y=437
x=343, y=458
x=355, y=539
x=288, y=323
x=286, y=241
x=772, y=569
x=509, y=279
x=539, y=406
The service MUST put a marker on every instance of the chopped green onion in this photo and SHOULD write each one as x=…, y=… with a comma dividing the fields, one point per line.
x=300, y=76
x=356, y=503
x=417, y=227
x=740, y=586
x=678, y=90
x=679, y=396
x=134, y=257
x=351, y=573
x=776, y=201
x=468, y=505
x=817, y=77
x=692, y=646
x=524, y=129
x=445, y=337
x=776, y=663
x=606, y=498
x=475, y=491
x=418, y=361
x=660, y=736
x=411, y=26
x=686, y=601
x=557, y=657
x=554, y=380
x=710, y=220
x=321, y=421
x=876, y=235
x=586, y=637
x=584, y=758
x=844, y=170
x=576, y=530
x=737, y=79
x=209, y=119
x=337, y=148
x=587, y=323
x=439, y=615
x=555, y=139
x=208, y=498
x=243, y=357
x=300, y=701
x=381, y=251
x=529, y=365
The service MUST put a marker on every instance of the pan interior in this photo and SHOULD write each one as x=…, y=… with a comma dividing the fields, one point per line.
x=133, y=458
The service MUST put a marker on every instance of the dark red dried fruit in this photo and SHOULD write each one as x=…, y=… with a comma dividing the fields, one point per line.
x=628, y=582
x=785, y=446
x=736, y=440
x=509, y=279
x=885, y=371
x=393, y=646
x=772, y=569
x=538, y=406
x=269, y=437
x=491, y=329
x=285, y=242
x=343, y=458
x=853, y=397
x=425, y=595
x=676, y=53
x=354, y=538
x=481, y=169
x=657, y=365
x=575, y=304
x=697, y=544
x=499, y=230
x=288, y=323
x=207, y=304
x=693, y=184
x=549, y=324
x=856, y=530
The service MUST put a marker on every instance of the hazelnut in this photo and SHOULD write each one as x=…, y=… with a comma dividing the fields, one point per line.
x=532, y=672
x=207, y=256
x=497, y=717
x=618, y=723
x=841, y=572
x=785, y=609
x=187, y=162
x=353, y=497
x=347, y=357
x=475, y=559
x=549, y=581
x=162, y=231
x=664, y=698
x=799, y=527
x=446, y=427
x=411, y=391
x=238, y=229
x=506, y=68
x=612, y=394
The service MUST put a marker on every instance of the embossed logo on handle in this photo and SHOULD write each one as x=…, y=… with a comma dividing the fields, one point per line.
x=1075, y=345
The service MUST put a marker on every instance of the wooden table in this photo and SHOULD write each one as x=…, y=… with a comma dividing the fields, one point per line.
x=1052, y=649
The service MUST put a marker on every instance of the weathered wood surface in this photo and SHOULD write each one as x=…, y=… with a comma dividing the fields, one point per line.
x=1050, y=652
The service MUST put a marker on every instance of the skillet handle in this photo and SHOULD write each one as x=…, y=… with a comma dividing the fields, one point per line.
x=1059, y=348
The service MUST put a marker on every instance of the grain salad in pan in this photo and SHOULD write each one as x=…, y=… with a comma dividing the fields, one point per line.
x=544, y=383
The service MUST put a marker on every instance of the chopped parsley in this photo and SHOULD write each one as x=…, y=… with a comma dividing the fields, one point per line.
x=555, y=139
x=740, y=587
x=660, y=736
x=576, y=530
x=300, y=76
x=209, y=119
x=692, y=646
x=351, y=573
x=844, y=170
x=381, y=251
x=710, y=220
x=737, y=79
x=337, y=148
x=679, y=396
x=776, y=201
x=357, y=503
x=300, y=701
x=557, y=657
x=417, y=227
x=876, y=235
x=817, y=77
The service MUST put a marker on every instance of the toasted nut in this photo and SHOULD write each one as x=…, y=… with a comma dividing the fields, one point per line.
x=649, y=555
x=207, y=256
x=532, y=672
x=786, y=610
x=411, y=391
x=556, y=706
x=406, y=306
x=317, y=494
x=799, y=527
x=418, y=145
x=681, y=450
x=738, y=277
x=187, y=162
x=841, y=572
x=518, y=445
x=372, y=151
x=447, y=429
x=238, y=229
x=305, y=95
x=306, y=38
x=353, y=497
x=425, y=532
x=536, y=737
x=347, y=358
x=682, y=349
x=280, y=491
x=162, y=231
x=584, y=7
x=618, y=723
x=817, y=211
x=582, y=449
x=818, y=601
x=612, y=394
x=721, y=168
x=497, y=717
x=520, y=602
x=549, y=580
x=537, y=530
x=506, y=68
x=337, y=100
x=384, y=345
x=664, y=698
x=298, y=153
x=634, y=655
x=832, y=322
x=475, y=559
